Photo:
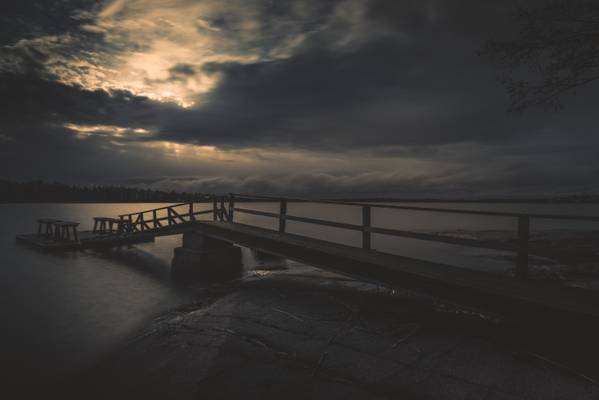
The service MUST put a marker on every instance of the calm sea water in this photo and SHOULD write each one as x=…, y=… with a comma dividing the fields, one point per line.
x=60, y=313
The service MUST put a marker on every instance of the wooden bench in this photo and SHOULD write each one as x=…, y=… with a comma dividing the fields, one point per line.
x=63, y=229
x=45, y=227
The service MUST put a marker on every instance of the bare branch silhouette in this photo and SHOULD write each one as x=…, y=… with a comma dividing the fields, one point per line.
x=555, y=52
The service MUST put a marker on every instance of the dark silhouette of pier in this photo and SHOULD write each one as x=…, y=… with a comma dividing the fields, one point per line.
x=211, y=232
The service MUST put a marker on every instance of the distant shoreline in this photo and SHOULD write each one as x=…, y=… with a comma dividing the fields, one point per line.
x=591, y=200
x=43, y=192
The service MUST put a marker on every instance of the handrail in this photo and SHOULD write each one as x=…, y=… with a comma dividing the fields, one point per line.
x=224, y=213
x=171, y=217
x=131, y=225
x=385, y=231
x=165, y=207
x=521, y=246
x=155, y=209
x=426, y=209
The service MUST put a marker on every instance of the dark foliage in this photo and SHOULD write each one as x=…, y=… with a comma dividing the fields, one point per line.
x=555, y=52
x=41, y=192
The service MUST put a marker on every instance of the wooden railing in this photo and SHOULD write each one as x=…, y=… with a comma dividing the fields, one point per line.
x=176, y=214
x=146, y=220
x=224, y=208
x=523, y=221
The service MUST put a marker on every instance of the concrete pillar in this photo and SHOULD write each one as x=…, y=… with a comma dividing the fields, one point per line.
x=203, y=257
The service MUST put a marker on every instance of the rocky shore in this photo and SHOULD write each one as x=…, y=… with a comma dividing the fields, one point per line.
x=319, y=335
x=566, y=255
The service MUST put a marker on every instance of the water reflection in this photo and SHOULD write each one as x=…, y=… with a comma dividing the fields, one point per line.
x=141, y=259
x=62, y=311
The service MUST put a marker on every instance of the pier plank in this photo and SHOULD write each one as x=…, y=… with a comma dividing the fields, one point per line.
x=489, y=291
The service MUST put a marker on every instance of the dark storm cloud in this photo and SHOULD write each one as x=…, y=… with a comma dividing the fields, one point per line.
x=182, y=69
x=387, y=80
x=417, y=82
x=39, y=102
x=507, y=180
x=373, y=95
x=27, y=19
x=298, y=184
x=35, y=144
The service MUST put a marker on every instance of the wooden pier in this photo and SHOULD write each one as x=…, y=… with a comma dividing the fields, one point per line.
x=466, y=286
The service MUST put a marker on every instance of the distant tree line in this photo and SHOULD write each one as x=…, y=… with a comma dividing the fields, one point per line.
x=42, y=192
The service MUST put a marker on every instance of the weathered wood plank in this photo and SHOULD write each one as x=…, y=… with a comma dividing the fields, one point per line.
x=366, y=243
x=477, y=288
x=256, y=212
x=177, y=215
x=282, y=216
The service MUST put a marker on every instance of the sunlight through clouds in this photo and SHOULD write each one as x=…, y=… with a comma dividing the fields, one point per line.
x=84, y=131
x=141, y=46
x=145, y=41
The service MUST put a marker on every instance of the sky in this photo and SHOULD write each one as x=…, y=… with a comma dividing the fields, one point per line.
x=305, y=97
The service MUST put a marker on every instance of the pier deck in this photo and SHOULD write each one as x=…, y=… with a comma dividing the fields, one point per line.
x=489, y=291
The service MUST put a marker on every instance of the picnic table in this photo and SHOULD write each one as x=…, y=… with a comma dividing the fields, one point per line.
x=45, y=227
x=107, y=225
x=63, y=229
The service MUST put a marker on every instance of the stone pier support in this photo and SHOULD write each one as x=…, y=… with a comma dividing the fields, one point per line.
x=205, y=257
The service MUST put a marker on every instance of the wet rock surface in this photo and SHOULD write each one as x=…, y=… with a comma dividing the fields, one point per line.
x=325, y=336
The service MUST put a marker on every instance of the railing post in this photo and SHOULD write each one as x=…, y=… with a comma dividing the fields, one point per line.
x=222, y=209
x=523, y=235
x=366, y=244
x=141, y=221
x=191, y=216
x=155, y=218
x=282, y=215
x=231, y=206
x=214, y=208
